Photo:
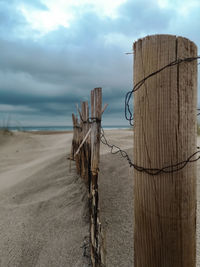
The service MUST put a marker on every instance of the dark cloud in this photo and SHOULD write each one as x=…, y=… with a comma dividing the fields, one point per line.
x=51, y=74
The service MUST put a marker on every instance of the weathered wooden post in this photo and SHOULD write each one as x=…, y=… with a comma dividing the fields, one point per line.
x=96, y=111
x=85, y=163
x=87, y=145
x=165, y=134
x=73, y=147
x=78, y=141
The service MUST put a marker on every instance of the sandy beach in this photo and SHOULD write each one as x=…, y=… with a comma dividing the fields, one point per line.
x=43, y=203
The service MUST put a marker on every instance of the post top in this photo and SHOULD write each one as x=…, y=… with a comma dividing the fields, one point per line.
x=162, y=36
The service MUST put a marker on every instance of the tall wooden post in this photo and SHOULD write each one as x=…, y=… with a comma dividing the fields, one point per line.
x=73, y=147
x=78, y=141
x=85, y=163
x=87, y=145
x=165, y=134
x=96, y=109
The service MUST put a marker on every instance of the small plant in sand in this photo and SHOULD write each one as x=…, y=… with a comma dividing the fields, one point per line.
x=6, y=131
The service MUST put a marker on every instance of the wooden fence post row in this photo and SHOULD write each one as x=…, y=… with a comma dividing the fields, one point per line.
x=86, y=153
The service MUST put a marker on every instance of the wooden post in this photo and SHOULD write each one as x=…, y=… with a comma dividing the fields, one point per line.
x=165, y=134
x=73, y=147
x=88, y=147
x=84, y=133
x=78, y=141
x=96, y=109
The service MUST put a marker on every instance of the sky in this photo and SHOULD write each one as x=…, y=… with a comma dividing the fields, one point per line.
x=54, y=52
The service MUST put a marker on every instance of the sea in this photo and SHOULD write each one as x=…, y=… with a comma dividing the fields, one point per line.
x=58, y=128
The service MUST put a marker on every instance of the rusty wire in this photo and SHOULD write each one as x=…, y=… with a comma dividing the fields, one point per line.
x=128, y=112
x=129, y=116
x=151, y=171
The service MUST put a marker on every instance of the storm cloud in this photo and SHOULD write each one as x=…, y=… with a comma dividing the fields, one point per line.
x=43, y=77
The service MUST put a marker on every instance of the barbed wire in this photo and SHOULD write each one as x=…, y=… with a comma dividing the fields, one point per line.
x=89, y=120
x=128, y=112
x=129, y=116
x=151, y=171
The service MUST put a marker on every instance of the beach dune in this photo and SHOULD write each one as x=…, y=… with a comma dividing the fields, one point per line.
x=44, y=220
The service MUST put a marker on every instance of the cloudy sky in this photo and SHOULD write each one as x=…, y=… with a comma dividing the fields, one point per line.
x=54, y=52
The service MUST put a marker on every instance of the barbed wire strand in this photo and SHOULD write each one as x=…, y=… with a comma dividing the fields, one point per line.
x=151, y=171
x=129, y=116
x=128, y=112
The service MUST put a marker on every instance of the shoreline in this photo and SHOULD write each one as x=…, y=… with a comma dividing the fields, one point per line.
x=57, y=128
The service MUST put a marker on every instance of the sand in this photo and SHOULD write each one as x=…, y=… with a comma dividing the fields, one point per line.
x=43, y=205
x=116, y=201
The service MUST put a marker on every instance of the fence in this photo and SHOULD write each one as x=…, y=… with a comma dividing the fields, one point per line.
x=86, y=152
x=165, y=77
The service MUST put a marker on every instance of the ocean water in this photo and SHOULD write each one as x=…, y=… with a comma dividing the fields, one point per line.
x=40, y=128
x=58, y=128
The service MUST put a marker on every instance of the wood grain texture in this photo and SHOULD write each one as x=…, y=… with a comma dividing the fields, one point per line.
x=165, y=134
